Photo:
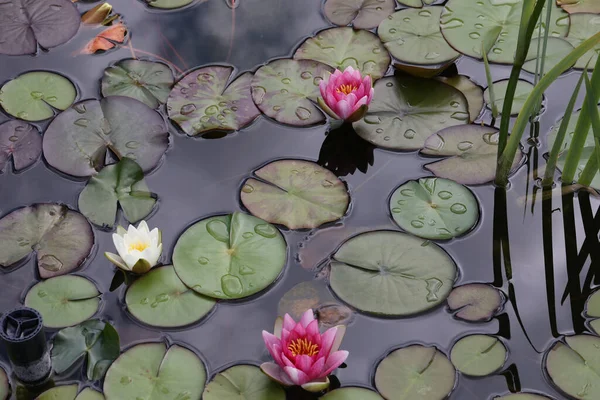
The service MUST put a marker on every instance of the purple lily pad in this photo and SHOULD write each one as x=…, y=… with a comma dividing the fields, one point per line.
x=26, y=23
x=20, y=140
x=475, y=302
x=202, y=101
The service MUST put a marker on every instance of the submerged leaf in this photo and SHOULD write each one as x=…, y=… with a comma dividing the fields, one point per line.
x=475, y=302
x=21, y=141
x=580, y=6
x=97, y=15
x=107, y=39
x=245, y=382
x=363, y=14
x=472, y=92
x=478, y=355
x=522, y=92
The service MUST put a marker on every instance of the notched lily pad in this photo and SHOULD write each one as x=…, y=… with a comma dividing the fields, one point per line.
x=478, y=355
x=62, y=238
x=77, y=140
x=522, y=92
x=243, y=382
x=475, y=302
x=207, y=99
x=20, y=141
x=352, y=393
x=295, y=193
x=363, y=14
x=4, y=385
x=583, y=27
x=472, y=92
x=344, y=47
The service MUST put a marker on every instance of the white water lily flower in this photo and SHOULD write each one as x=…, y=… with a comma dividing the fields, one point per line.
x=138, y=248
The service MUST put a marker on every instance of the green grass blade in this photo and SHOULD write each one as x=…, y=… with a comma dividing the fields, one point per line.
x=591, y=101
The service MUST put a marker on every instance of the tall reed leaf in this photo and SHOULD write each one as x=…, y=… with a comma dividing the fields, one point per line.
x=591, y=101
x=490, y=82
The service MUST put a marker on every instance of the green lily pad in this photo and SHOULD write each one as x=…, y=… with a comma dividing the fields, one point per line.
x=478, y=355
x=26, y=24
x=522, y=92
x=522, y=396
x=295, y=193
x=21, y=141
x=471, y=150
x=580, y=6
x=595, y=325
x=352, y=393
x=475, y=302
x=556, y=50
x=472, y=92
x=230, y=256
x=64, y=392
x=584, y=26
x=592, y=307
x=434, y=208
x=407, y=110
x=286, y=90
x=492, y=25
x=413, y=36
x=95, y=341
x=170, y=4
x=363, y=14
x=344, y=47
x=416, y=3
x=574, y=366
x=89, y=394
x=391, y=273
x=146, y=81
x=33, y=96
x=202, y=101
x=77, y=140
x=151, y=371
x=64, y=301
x=415, y=373
x=160, y=299
x=245, y=382
x=4, y=385
x=62, y=238
x=119, y=184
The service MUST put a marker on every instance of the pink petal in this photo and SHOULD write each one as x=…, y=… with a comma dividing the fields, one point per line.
x=276, y=373
x=351, y=99
x=330, y=100
x=273, y=345
x=312, y=330
x=343, y=109
x=367, y=83
x=299, y=331
x=361, y=102
x=288, y=322
x=335, y=360
x=307, y=317
x=304, y=363
x=316, y=371
x=297, y=376
x=327, y=340
x=323, y=88
x=370, y=96
x=339, y=336
x=285, y=336
x=286, y=361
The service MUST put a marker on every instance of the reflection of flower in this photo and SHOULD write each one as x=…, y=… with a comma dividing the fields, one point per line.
x=303, y=356
x=138, y=248
x=346, y=95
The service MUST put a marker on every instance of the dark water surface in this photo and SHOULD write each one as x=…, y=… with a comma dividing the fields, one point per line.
x=202, y=177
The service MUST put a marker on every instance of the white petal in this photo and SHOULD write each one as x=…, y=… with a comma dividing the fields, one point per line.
x=151, y=255
x=143, y=228
x=155, y=236
x=131, y=259
x=119, y=244
x=131, y=230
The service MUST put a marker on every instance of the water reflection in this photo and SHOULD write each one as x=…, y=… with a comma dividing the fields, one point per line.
x=343, y=152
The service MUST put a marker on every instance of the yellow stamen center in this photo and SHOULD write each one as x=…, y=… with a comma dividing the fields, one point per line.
x=305, y=347
x=346, y=89
x=139, y=246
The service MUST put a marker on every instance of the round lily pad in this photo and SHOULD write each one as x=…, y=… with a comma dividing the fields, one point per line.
x=416, y=3
x=343, y=47
x=580, y=6
x=146, y=81
x=493, y=26
x=407, y=110
x=151, y=371
x=202, y=101
x=595, y=325
x=413, y=36
x=415, y=373
x=472, y=92
x=522, y=396
x=286, y=90
x=33, y=96
x=243, y=382
x=230, y=256
x=77, y=140
x=556, y=50
x=522, y=92
x=295, y=193
x=4, y=385
x=434, y=208
x=472, y=154
x=160, y=299
x=352, y=393
x=64, y=392
x=169, y=4
x=25, y=24
x=64, y=301
x=584, y=26
x=592, y=307
x=363, y=14
x=475, y=302
x=391, y=273
x=478, y=355
x=574, y=366
x=89, y=394
x=21, y=141
x=62, y=238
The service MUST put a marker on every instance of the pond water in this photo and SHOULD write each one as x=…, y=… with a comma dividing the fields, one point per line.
x=538, y=247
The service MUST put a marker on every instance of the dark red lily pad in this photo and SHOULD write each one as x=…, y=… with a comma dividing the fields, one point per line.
x=20, y=140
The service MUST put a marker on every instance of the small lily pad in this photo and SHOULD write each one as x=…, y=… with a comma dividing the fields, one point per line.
x=245, y=382
x=152, y=371
x=64, y=392
x=522, y=92
x=556, y=50
x=26, y=24
x=4, y=385
x=475, y=302
x=64, y=301
x=406, y=110
x=434, y=208
x=413, y=36
x=21, y=141
x=295, y=193
x=415, y=373
x=472, y=92
x=580, y=6
x=352, y=393
x=391, y=273
x=119, y=184
x=478, y=355
x=472, y=152
x=363, y=14
x=522, y=396
x=77, y=140
x=161, y=300
x=583, y=27
x=344, y=47
x=146, y=81
x=286, y=90
x=202, y=101
x=574, y=366
x=230, y=256
x=95, y=341
x=62, y=238
x=33, y=96
x=89, y=394
x=169, y=4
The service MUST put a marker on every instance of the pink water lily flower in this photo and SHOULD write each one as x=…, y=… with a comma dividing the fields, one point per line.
x=303, y=356
x=346, y=95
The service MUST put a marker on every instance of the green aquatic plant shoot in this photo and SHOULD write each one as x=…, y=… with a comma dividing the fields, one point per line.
x=591, y=99
x=490, y=82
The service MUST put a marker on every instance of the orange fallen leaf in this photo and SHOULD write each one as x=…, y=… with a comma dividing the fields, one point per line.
x=107, y=39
